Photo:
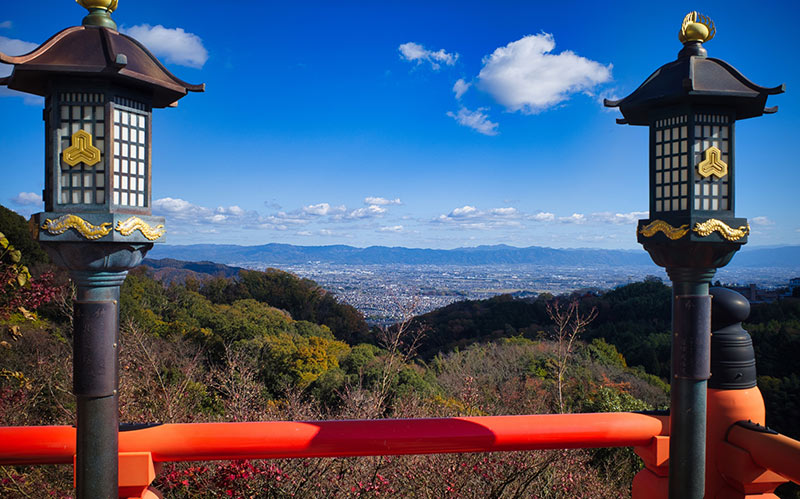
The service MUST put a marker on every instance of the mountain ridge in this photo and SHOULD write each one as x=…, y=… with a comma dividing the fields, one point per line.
x=280, y=253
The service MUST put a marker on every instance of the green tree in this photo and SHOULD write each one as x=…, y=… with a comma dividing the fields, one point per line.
x=293, y=360
x=18, y=232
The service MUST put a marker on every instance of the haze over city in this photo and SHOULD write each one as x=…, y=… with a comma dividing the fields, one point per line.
x=438, y=125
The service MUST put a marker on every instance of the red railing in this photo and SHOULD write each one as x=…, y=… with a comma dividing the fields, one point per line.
x=746, y=456
x=290, y=439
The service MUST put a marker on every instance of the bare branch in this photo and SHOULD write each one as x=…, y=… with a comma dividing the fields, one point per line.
x=568, y=323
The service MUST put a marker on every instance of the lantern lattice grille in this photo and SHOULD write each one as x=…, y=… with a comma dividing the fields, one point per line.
x=711, y=130
x=671, y=164
x=81, y=184
x=130, y=153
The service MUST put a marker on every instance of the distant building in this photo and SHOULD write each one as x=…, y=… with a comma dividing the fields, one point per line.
x=793, y=285
x=760, y=295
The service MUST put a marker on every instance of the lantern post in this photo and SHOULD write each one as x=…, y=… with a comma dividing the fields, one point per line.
x=100, y=87
x=690, y=106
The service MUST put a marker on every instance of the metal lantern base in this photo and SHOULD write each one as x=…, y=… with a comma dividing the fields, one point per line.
x=98, y=269
x=690, y=265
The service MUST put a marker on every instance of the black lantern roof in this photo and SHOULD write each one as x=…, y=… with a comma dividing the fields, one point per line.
x=100, y=53
x=698, y=79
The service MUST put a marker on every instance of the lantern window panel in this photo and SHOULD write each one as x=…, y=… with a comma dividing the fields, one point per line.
x=130, y=172
x=671, y=163
x=711, y=130
x=80, y=111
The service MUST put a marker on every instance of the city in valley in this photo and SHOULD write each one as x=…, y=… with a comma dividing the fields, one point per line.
x=391, y=292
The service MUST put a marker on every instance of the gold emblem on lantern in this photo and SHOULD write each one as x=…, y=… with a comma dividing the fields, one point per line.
x=81, y=150
x=712, y=164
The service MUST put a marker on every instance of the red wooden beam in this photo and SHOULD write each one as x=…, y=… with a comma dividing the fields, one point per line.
x=291, y=439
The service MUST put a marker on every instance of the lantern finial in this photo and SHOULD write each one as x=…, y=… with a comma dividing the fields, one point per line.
x=696, y=28
x=99, y=13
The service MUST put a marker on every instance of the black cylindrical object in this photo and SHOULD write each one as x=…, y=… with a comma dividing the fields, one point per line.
x=733, y=361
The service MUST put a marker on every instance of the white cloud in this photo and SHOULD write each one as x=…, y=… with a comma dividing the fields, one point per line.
x=372, y=210
x=415, y=52
x=231, y=210
x=381, y=201
x=543, y=216
x=761, y=221
x=173, y=206
x=393, y=228
x=323, y=209
x=460, y=87
x=183, y=210
x=6, y=25
x=222, y=214
x=27, y=99
x=503, y=212
x=174, y=44
x=619, y=218
x=575, y=218
x=27, y=199
x=12, y=46
x=464, y=211
x=470, y=217
x=477, y=120
x=524, y=76
x=282, y=218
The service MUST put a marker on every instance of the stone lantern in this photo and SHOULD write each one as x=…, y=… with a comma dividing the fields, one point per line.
x=100, y=87
x=691, y=106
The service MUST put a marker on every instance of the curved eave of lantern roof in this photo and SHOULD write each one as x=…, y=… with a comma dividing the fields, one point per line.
x=100, y=53
x=699, y=80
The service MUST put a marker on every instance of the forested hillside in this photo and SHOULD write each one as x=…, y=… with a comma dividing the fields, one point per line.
x=218, y=350
x=635, y=319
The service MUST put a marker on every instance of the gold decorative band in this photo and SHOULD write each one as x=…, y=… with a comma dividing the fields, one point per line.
x=132, y=224
x=724, y=229
x=84, y=228
x=671, y=232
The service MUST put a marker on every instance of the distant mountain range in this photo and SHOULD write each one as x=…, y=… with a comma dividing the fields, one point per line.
x=169, y=270
x=287, y=254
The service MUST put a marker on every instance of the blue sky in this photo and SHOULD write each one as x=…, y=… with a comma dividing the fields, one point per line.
x=420, y=124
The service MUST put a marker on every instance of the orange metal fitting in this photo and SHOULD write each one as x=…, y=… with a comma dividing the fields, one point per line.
x=726, y=407
x=653, y=481
x=730, y=471
x=772, y=451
